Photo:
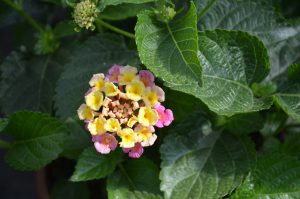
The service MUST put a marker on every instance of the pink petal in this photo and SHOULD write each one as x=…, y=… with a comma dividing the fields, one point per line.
x=168, y=117
x=146, y=77
x=136, y=151
x=126, y=150
x=102, y=148
x=159, y=124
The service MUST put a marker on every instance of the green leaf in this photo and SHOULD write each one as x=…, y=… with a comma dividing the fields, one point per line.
x=95, y=55
x=38, y=140
x=78, y=190
x=256, y=17
x=123, y=11
x=94, y=165
x=104, y=3
x=170, y=50
x=29, y=83
x=136, y=179
x=275, y=176
x=77, y=140
x=198, y=165
x=243, y=124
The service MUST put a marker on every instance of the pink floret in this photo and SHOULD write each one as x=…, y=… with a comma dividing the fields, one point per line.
x=105, y=143
x=165, y=116
x=147, y=78
x=113, y=73
x=134, y=152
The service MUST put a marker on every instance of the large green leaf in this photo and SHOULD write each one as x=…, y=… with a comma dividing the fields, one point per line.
x=94, y=165
x=28, y=83
x=275, y=177
x=136, y=179
x=38, y=140
x=257, y=17
x=104, y=3
x=170, y=50
x=200, y=165
x=95, y=55
x=231, y=62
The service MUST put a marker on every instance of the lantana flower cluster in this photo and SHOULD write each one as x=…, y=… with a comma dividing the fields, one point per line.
x=122, y=108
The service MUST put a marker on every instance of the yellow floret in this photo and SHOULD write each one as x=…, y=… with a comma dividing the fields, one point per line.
x=110, y=89
x=98, y=81
x=147, y=116
x=135, y=90
x=150, y=97
x=129, y=138
x=85, y=112
x=97, y=126
x=132, y=121
x=127, y=75
x=94, y=100
x=112, y=125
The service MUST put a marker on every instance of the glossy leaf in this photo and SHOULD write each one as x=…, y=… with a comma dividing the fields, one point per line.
x=38, y=140
x=198, y=165
x=94, y=165
x=95, y=55
x=170, y=50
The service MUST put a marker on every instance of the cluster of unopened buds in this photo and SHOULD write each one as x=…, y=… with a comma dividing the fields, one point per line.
x=124, y=106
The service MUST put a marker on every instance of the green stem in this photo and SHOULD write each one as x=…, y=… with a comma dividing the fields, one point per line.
x=127, y=176
x=27, y=17
x=115, y=29
x=4, y=144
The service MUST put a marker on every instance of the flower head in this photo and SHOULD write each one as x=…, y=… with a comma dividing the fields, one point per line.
x=123, y=106
x=85, y=13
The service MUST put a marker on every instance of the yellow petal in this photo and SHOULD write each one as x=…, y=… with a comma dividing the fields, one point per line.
x=94, y=100
x=98, y=81
x=97, y=126
x=135, y=90
x=147, y=116
x=110, y=89
x=85, y=112
x=129, y=138
x=112, y=125
x=132, y=121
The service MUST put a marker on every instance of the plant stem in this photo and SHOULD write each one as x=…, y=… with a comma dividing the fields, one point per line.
x=115, y=29
x=127, y=176
x=27, y=17
x=4, y=144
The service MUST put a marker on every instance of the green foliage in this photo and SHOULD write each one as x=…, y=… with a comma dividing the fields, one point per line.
x=206, y=166
x=275, y=176
x=38, y=140
x=259, y=18
x=170, y=50
x=231, y=75
x=92, y=165
x=137, y=179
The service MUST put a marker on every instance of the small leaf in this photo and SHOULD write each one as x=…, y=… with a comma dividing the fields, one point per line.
x=275, y=176
x=93, y=165
x=95, y=55
x=38, y=140
x=137, y=179
x=203, y=166
x=170, y=50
